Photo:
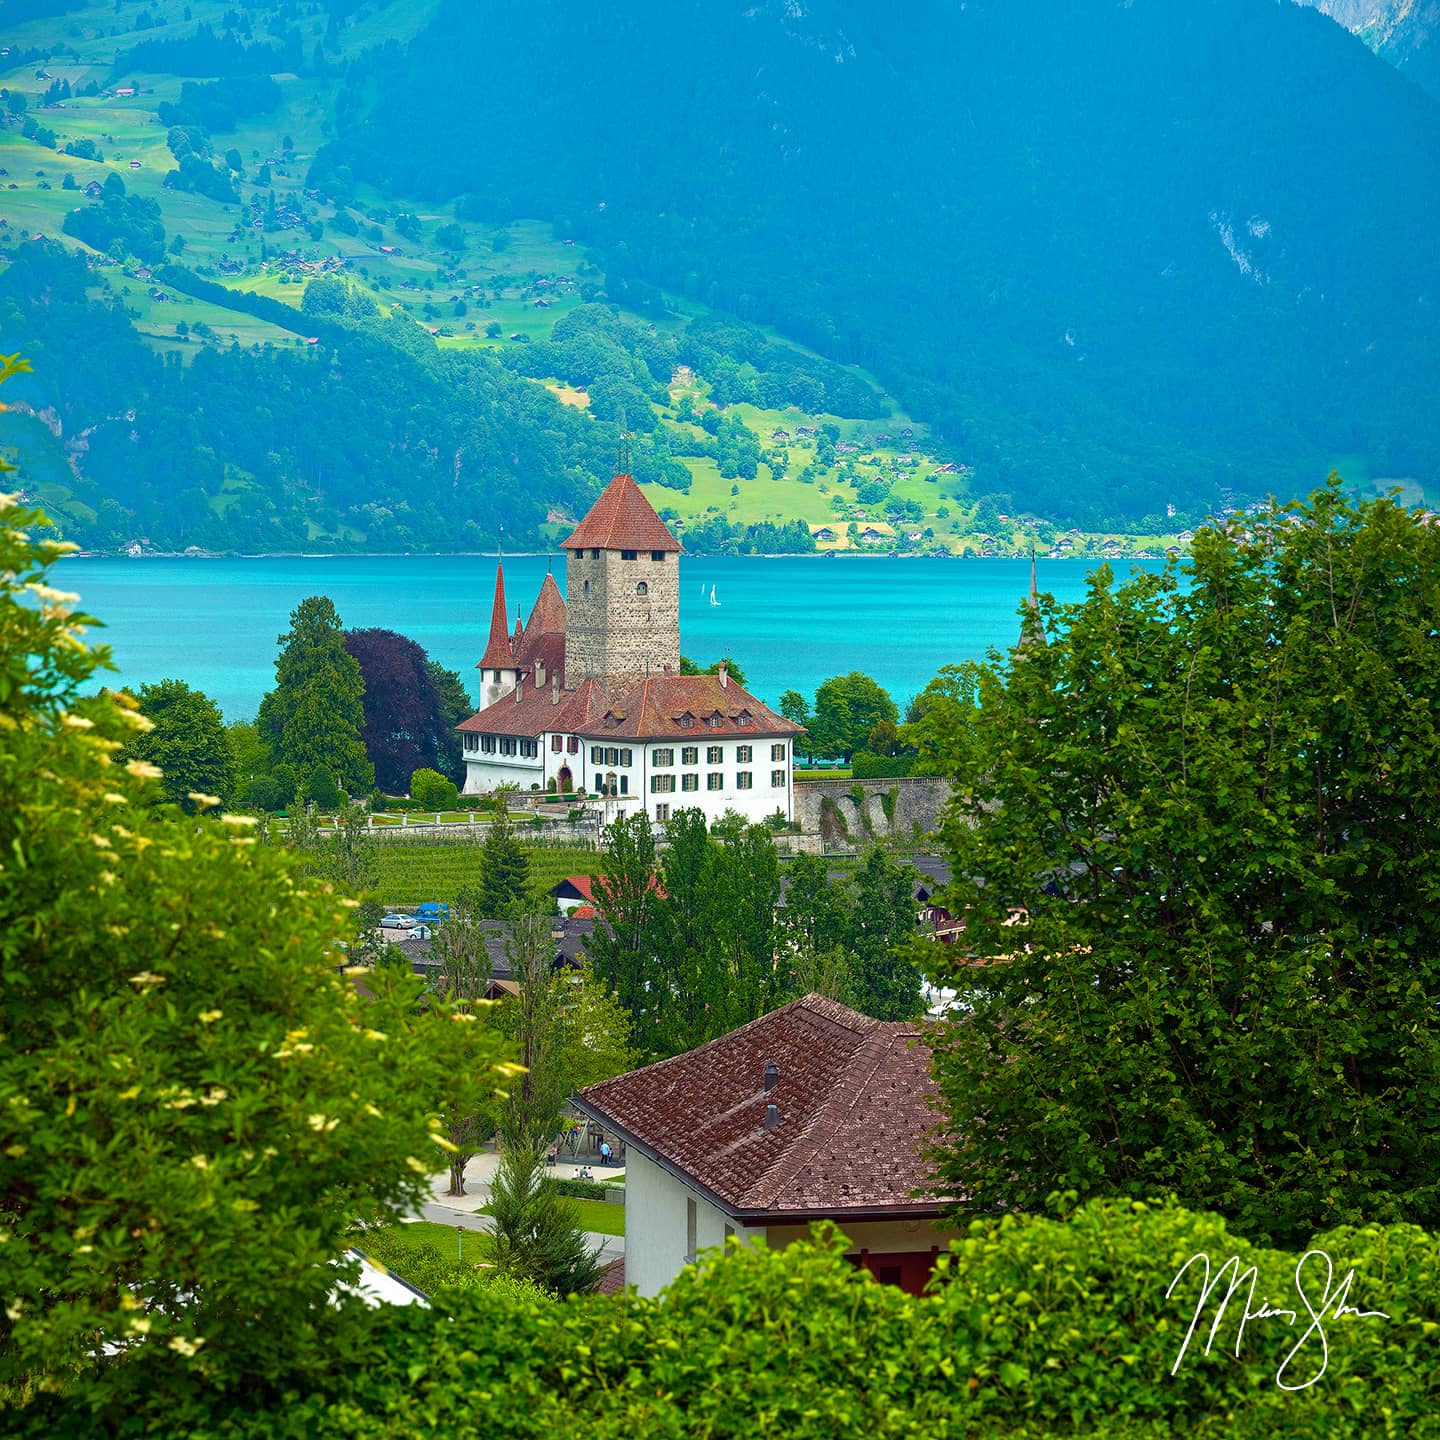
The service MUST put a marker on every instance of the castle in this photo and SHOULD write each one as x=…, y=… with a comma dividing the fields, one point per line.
x=588, y=694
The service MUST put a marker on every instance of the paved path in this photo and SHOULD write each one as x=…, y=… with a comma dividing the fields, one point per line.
x=462, y=1210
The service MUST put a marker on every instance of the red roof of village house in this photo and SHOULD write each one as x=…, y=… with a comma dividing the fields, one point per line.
x=497, y=654
x=659, y=705
x=622, y=519
x=853, y=1097
x=547, y=615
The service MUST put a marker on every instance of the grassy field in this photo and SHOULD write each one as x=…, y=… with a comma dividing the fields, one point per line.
x=414, y=871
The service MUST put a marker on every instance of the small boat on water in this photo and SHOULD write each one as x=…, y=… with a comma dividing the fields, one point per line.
x=713, y=600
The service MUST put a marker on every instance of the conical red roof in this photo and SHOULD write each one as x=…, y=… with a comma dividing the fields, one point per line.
x=622, y=519
x=497, y=654
x=548, y=615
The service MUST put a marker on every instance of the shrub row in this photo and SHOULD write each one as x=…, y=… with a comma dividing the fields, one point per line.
x=1039, y=1328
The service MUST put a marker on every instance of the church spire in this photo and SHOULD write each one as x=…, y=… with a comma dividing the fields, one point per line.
x=497, y=654
x=1032, y=627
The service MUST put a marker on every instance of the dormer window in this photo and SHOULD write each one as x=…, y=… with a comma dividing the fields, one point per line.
x=685, y=721
x=743, y=719
x=715, y=721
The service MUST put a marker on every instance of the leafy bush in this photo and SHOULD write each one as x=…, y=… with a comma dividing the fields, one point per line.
x=865, y=766
x=577, y=1189
x=433, y=790
x=322, y=790
x=1039, y=1328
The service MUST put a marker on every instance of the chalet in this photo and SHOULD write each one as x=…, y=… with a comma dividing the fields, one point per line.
x=870, y=535
x=1185, y=537
x=812, y=1112
x=824, y=535
x=134, y=164
x=914, y=536
x=947, y=469
x=587, y=694
x=93, y=190
x=126, y=92
x=780, y=437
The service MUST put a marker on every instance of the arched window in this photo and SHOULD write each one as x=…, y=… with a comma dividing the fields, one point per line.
x=642, y=588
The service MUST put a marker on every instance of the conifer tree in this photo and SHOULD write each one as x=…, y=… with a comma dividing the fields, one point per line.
x=504, y=873
x=313, y=717
x=536, y=1233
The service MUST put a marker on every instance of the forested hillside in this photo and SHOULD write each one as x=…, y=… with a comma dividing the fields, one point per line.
x=1123, y=255
x=1404, y=32
x=954, y=282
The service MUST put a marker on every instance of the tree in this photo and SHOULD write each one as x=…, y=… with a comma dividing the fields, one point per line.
x=405, y=725
x=405, y=722
x=314, y=715
x=321, y=789
x=847, y=709
x=432, y=790
x=689, y=667
x=187, y=740
x=169, y=995
x=504, y=872
x=1197, y=843
x=884, y=977
x=622, y=948
x=455, y=706
x=535, y=1233
x=461, y=961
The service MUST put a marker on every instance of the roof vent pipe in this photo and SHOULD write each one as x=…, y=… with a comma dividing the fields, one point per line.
x=772, y=1117
x=772, y=1075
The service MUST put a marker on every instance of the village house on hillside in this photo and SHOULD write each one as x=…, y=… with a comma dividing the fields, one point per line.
x=587, y=694
x=812, y=1112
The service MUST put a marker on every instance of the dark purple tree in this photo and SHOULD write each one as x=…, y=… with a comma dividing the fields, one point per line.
x=405, y=728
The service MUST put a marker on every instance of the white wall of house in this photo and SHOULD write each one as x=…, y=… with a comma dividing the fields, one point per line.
x=658, y=1224
x=485, y=769
x=879, y=1236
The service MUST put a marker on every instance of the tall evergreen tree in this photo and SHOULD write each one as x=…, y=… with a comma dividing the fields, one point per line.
x=314, y=716
x=504, y=873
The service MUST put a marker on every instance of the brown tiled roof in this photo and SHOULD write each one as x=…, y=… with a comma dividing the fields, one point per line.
x=547, y=615
x=657, y=707
x=853, y=1097
x=497, y=654
x=622, y=519
x=534, y=711
x=546, y=650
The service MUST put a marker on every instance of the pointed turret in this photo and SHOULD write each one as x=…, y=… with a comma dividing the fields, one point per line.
x=498, y=670
x=497, y=654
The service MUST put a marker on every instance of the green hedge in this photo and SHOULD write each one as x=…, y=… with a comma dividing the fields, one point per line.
x=1040, y=1328
x=865, y=766
x=577, y=1189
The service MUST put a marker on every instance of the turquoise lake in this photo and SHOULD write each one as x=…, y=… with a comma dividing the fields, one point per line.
x=791, y=622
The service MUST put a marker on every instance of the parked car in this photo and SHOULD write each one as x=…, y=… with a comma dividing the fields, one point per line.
x=397, y=922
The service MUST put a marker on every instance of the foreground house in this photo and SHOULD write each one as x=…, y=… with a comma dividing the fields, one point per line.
x=588, y=695
x=813, y=1112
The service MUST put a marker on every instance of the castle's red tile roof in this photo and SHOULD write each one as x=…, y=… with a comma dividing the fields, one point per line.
x=497, y=654
x=854, y=1102
x=660, y=705
x=529, y=711
x=622, y=519
x=547, y=615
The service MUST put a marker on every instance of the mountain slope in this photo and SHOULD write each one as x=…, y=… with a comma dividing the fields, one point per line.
x=1404, y=32
x=1123, y=256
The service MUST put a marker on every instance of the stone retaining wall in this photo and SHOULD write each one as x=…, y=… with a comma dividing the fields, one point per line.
x=889, y=809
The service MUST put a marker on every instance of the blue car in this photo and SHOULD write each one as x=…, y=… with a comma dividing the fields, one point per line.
x=432, y=912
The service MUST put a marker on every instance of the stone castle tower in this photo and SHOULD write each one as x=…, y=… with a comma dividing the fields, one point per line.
x=622, y=583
